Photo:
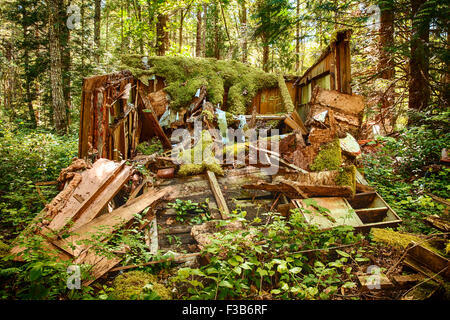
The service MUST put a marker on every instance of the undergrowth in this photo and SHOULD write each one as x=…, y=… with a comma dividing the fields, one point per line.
x=406, y=171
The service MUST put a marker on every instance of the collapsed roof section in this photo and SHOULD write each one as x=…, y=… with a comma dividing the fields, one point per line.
x=120, y=110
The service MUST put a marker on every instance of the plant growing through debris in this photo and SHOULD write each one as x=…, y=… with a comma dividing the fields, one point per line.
x=285, y=259
x=192, y=212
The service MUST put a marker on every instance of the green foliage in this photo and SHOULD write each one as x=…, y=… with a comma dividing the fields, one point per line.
x=42, y=276
x=198, y=212
x=401, y=173
x=280, y=259
x=29, y=157
x=148, y=148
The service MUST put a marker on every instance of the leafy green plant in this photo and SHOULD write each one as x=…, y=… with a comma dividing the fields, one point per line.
x=192, y=212
x=29, y=157
x=402, y=172
x=284, y=259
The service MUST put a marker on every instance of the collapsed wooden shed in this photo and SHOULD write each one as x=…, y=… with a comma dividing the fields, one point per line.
x=116, y=113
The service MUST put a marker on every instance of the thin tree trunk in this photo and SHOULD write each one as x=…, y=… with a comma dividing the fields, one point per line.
x=97, y=14
x=244, y=31
x=65, y=57
x=205, y=11
x=82, y=38
x=216, y=34
x=29, y=98
x=107, y=28
x=151, y=23
x=265, y=62
x=162, y=36
x=198, y=36
x=419, y=90
x=56, y=80
x=180, y=42
x=385, y=63
x=297, y=39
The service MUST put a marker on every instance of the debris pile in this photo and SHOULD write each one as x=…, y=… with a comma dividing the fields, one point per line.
x=175, y=156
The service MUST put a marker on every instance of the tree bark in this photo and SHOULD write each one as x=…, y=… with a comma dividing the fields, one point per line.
x=205, y=11
x=198, y=37
x=216, y=34
x=385, y=62
x=244, y=35
x=265, y=61
x=97, y=14
x=162, y=36
x=419, y=89
x=180, y=42
x=65, y=56
x=297, y=38
x=56, y=79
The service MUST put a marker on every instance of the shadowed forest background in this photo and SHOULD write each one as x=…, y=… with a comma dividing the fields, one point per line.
x=400, y=59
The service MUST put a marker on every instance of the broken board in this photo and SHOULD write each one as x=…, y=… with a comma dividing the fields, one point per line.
x=340, y=212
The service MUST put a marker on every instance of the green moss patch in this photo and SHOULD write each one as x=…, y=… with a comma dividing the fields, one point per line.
x=397, y=239
x=132, y=285
x=203, y=150
x=184, y=76
x=347, y=177
x=328, y=158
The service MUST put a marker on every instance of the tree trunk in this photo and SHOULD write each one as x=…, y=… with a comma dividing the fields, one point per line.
x=205, y=11
x=419, y=89
x=198, y=38
x=180, y=43
x=244, y=31
x=82, y=38
x=265, y=62
x=65, y=57
x=385, y=62
x=151, y=23
x=97, y=30
x=216, y=34
x=162, y=36
x=28, y=93
x=297, y=39
x=56, y=80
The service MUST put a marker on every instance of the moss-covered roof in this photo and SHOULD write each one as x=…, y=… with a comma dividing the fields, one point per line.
x=184, y=76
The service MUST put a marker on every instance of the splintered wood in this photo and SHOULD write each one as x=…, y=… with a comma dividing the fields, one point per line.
x=79, y=212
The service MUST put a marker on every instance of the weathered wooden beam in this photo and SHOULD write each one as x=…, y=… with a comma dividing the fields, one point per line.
x=218, y=195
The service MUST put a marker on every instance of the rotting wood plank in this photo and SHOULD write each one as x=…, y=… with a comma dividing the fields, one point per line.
x=102, y=197
x=218, y=195
x=340, y=212
x=100, y=264
x=429, y=259
x=91, y=179
x=101, y=227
